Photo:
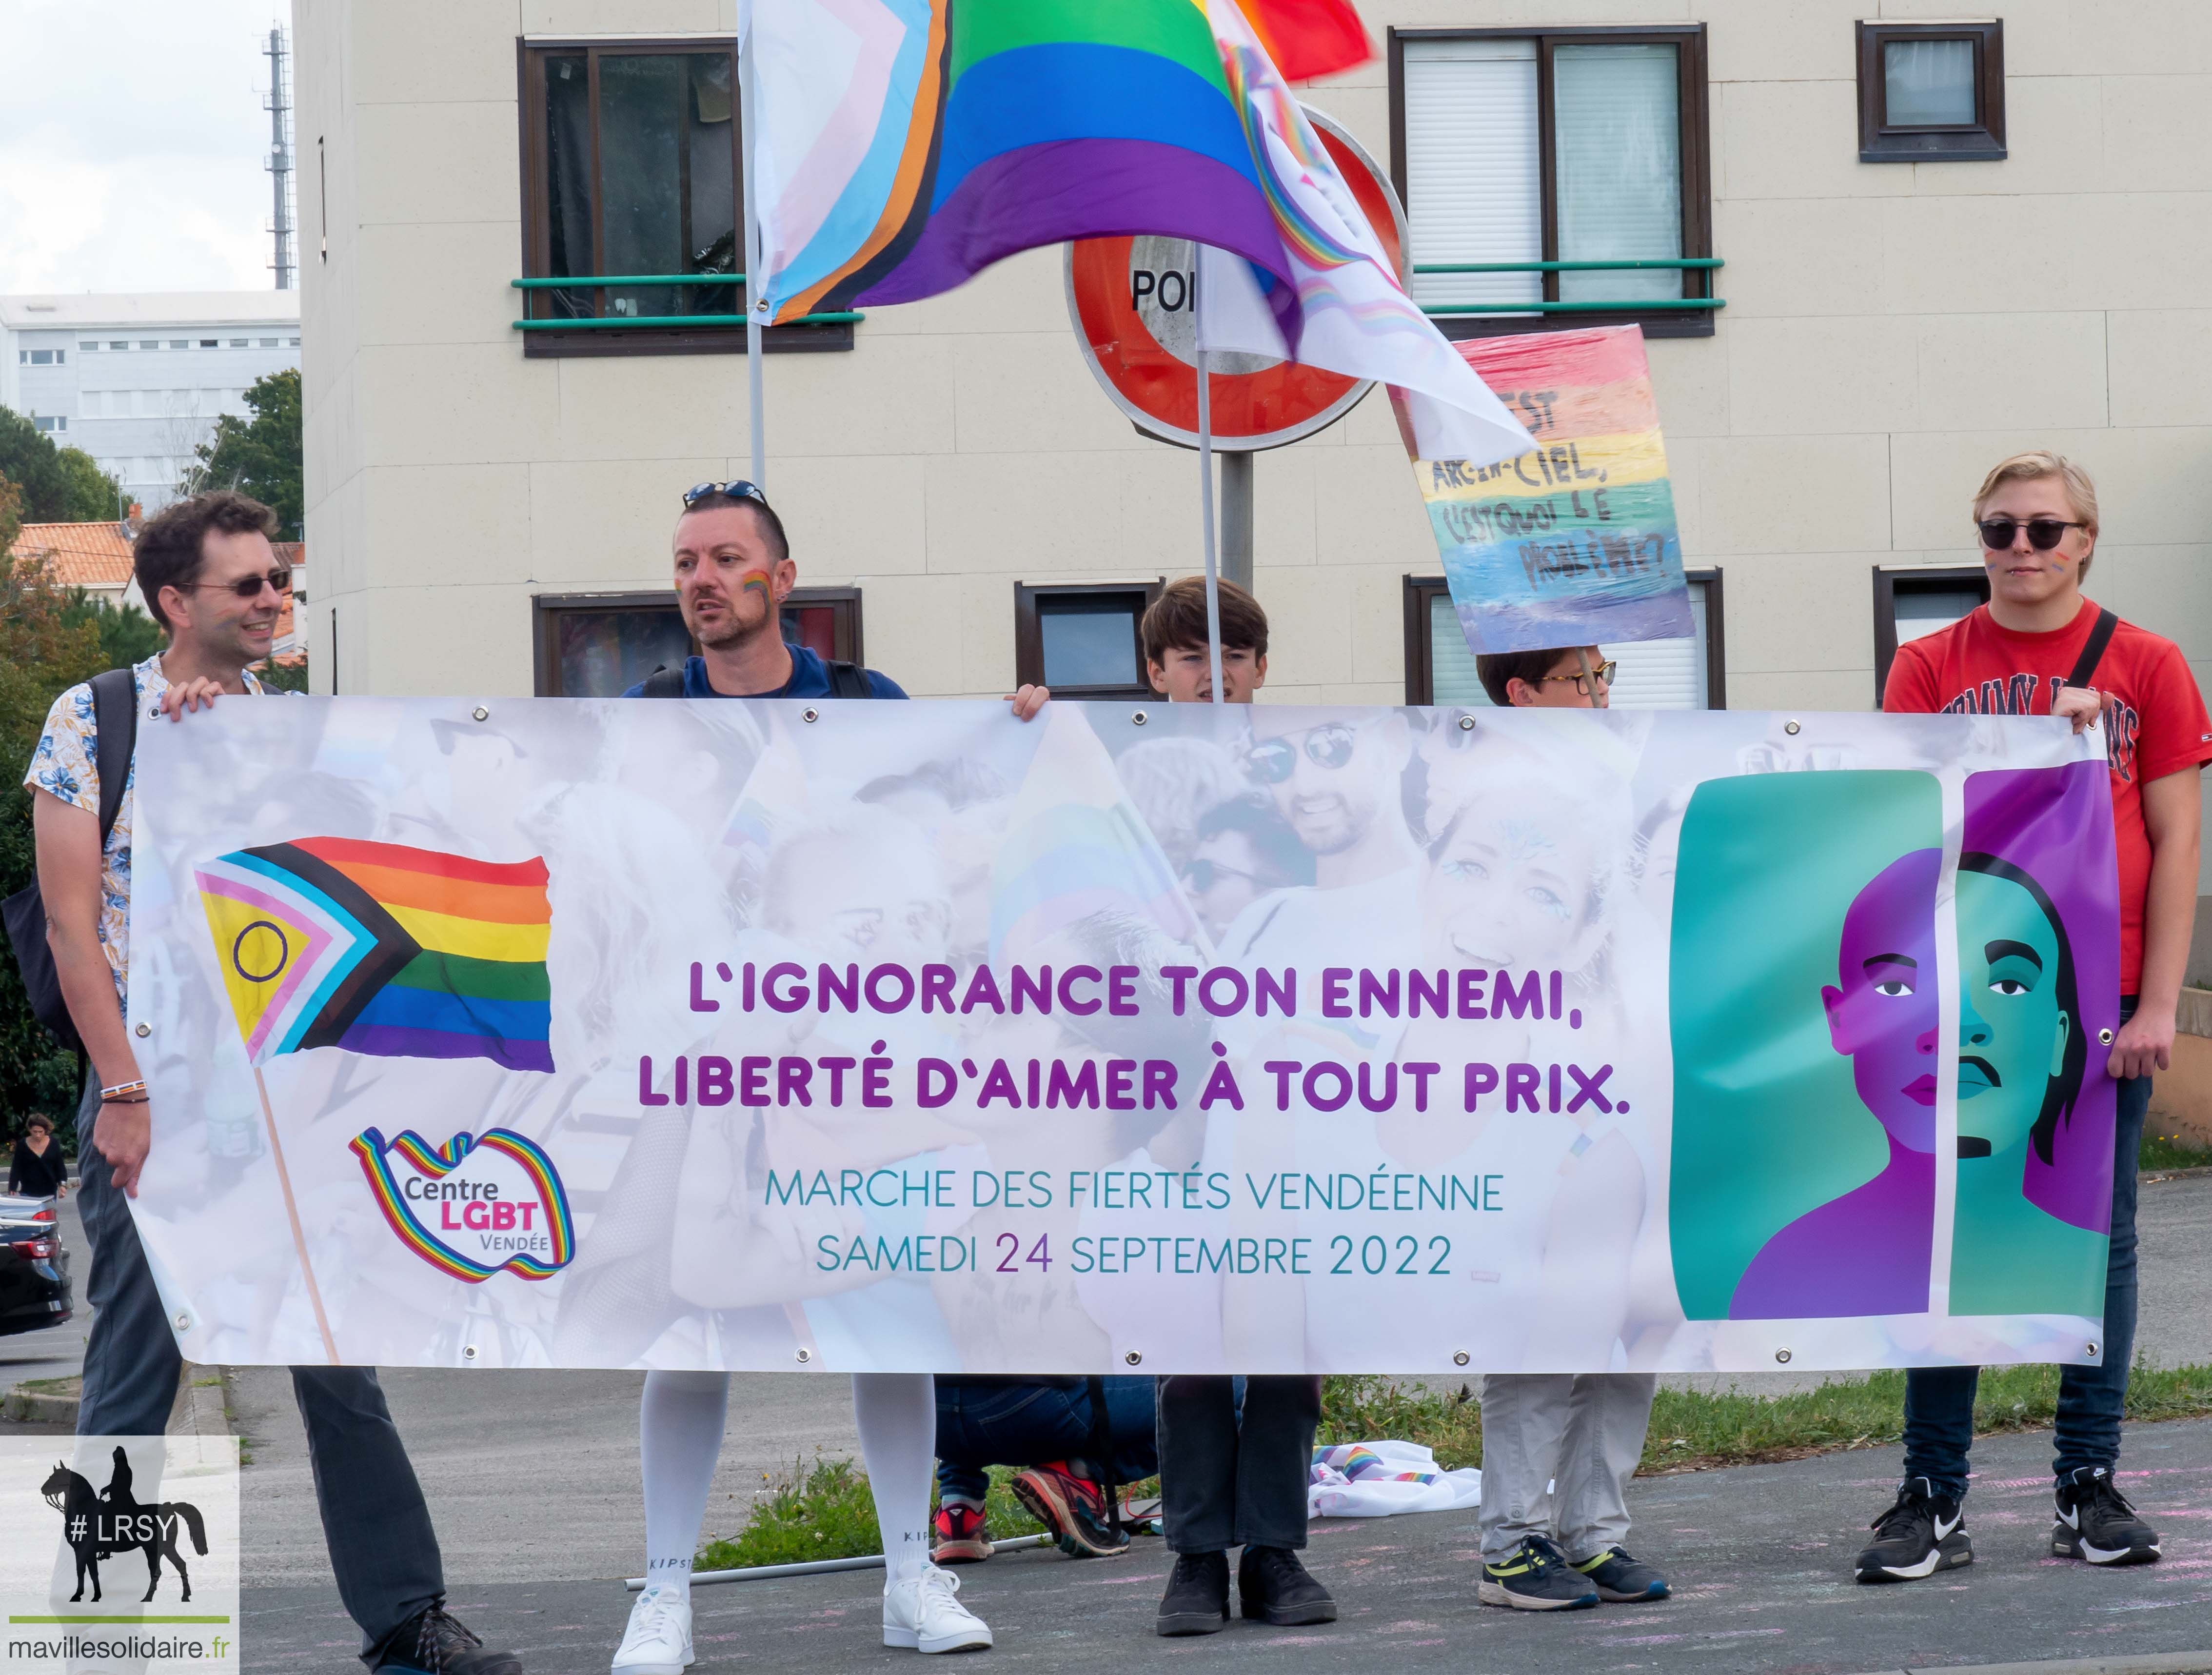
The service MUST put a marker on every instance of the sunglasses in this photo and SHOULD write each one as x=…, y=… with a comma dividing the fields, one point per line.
x=1329, y=746
x=1204, y=875
x=1604, y=672
x=250, y=587
x=739, y=490
x=2043, y=534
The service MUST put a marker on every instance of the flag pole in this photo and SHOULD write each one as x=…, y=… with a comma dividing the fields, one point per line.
x=292, y=1213
x=748, y=108
x=1205, y=489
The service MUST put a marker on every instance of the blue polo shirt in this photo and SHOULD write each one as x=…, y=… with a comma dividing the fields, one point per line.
x=809, y=679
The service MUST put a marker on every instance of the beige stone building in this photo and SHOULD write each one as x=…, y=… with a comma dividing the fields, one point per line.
x=1939, y=242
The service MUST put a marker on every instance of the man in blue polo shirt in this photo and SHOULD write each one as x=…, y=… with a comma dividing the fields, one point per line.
x=733, y=571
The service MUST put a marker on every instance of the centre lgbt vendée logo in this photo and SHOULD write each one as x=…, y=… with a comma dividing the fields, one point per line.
x=400, y=952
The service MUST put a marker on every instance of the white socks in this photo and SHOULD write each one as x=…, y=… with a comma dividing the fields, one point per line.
x=680, y=1425
x=680, y=1434
x=896, y=1413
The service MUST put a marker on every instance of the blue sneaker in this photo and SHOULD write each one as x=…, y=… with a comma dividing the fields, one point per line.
x=1621, y=1577
x=1535, y=1576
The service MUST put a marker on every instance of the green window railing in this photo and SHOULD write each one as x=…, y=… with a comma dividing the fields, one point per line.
x=1679, y=263
x=616, y=322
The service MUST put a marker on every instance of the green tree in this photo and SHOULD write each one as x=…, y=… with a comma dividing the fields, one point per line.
x=41, y=655
x=29, y=459
x=127, y=635
x=91, y=495
x=261, y=456
x=11, y=505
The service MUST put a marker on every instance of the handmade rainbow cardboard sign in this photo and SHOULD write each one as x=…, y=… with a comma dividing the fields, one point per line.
x=1573, y=543
x=473, y=1206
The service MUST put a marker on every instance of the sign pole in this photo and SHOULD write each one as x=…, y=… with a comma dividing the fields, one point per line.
x=1206, y=494
x=1237, y=516
x=748, y=110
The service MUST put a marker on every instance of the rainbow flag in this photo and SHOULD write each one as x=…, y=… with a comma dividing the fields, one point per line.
x=1083, y=119
x=382, y=949
x=1573, y=543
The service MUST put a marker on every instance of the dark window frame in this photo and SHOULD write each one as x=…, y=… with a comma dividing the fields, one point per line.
x=1694, y=109
x=1920, y=579
x=1420, y=666
x=1028, y=633
x=1981, y=140
x=546, y=609
x=529, y=52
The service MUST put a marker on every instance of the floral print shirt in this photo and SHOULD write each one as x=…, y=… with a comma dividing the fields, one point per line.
x=66, y=766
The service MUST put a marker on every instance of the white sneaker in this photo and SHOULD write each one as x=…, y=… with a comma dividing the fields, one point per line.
x=920, y=1611
x=658, y=1639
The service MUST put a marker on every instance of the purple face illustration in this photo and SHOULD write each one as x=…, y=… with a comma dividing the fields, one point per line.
x=1884, y=1015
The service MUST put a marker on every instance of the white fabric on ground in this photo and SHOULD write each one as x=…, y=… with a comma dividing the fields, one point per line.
x=1375, y=1479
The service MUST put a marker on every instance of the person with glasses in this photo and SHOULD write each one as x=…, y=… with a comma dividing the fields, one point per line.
x=733, y=571
x=1245, y=850
x=1570, y=678
x=211, y=580
x=2039, y=647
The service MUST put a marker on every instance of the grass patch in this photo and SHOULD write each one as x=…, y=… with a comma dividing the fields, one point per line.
x=1691, y=1430
x=2170, y=1151
x=825, y=1510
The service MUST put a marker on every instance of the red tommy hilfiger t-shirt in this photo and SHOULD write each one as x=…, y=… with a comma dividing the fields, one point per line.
x=2155, y=721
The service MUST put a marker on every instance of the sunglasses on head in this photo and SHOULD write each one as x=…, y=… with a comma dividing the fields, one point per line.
x=250, y=587
x=2043, y=534
x=739, y=490
x=1329, y=746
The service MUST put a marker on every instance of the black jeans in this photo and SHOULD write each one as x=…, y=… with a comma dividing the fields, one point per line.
x=1939, y=1401
x=383, y=1550
x=983, y=1422
x=1226, y=1482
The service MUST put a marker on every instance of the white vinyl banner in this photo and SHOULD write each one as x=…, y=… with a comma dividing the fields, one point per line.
x=908, y=1036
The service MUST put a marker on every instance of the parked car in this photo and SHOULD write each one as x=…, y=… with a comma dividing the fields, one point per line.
x=35, y=1270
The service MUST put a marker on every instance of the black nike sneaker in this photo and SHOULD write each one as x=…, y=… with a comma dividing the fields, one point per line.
x=1922, y=1533
x=2096, y=1523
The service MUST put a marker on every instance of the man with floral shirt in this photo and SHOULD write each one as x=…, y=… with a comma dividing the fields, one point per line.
x=211, y=579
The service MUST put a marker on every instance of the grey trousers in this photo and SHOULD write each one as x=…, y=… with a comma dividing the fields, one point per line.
x=383, y=1550
x=1581, y=1432
x=1223, y=1483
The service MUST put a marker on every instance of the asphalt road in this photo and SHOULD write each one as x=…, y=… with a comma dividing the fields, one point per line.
x=1758, y=1555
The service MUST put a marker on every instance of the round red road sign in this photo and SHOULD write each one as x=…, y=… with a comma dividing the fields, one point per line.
x=1130, y=299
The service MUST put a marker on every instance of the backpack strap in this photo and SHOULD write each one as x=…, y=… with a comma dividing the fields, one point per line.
x=115, y=736
x=848, y=680
x=2092, y=651
x=664, y=683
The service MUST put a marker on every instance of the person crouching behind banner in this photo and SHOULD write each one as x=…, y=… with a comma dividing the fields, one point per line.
x=1074, y=1439
x=1547, y=1548
x=211, y=580
x=2039, y=647
x=1229, y=1479
x=733, y=569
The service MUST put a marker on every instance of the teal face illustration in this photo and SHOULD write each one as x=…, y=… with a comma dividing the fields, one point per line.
x=2013, y=1026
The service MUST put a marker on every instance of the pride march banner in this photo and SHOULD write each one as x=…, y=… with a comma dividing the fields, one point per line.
x=1573, y=542
x=1178, y=1038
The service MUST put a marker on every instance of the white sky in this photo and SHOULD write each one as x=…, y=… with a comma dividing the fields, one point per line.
x=131, y=142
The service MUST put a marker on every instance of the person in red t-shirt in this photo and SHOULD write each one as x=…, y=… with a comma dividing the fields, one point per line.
x=2036, y=514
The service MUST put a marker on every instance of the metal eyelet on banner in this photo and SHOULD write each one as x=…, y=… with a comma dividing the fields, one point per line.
x=1467, y=723
x=145, y=1029
x=2092, y=1348
x=1790, y=727
x=806, y=1356
x=1134, y=1358
x=1460, y=1357
x=468, y=1352
x=2104, y=1037
x=810, y=715
x=1137, y=718
x=185, y=1322
x=481, y=712
x=1782, y=1355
